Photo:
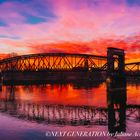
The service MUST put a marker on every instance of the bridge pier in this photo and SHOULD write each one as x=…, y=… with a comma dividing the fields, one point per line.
x=116, y=90
x=115, y=62
x=116, y=67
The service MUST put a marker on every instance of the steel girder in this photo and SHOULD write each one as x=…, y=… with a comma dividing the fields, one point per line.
x=53, y=61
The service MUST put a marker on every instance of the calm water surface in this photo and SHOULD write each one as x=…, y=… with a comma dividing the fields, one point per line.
x=28, y=112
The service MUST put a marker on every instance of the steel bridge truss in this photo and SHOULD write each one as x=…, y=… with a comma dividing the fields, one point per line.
x=53, y=61
x=133, y=68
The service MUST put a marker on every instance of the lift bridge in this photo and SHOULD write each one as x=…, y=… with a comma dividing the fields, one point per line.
x=66, y=62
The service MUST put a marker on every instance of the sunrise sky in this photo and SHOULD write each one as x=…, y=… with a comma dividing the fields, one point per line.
x=74, y=26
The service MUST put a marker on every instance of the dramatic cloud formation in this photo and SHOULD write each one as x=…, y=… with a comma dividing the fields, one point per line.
x=76, y=26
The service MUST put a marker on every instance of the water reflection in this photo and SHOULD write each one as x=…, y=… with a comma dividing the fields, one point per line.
x=68, y=105
x=116, y=99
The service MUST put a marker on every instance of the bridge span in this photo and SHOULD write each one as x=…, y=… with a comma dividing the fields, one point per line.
x=53, y=62
x=66, y=66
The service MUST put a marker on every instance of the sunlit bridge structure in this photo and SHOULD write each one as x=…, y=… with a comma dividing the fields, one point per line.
x=66, y=66
x=133, y=68
x=53, y=62
x=52, y=67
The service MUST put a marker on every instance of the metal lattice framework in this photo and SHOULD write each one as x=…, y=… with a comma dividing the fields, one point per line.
x=133, y=68
x=53, y=61
x=60, y=61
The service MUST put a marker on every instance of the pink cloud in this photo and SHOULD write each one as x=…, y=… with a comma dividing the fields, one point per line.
x=92, y=27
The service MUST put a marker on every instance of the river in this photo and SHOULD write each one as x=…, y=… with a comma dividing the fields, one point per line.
x=30, y=112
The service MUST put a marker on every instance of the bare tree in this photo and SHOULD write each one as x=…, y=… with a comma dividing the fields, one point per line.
x=13, y=54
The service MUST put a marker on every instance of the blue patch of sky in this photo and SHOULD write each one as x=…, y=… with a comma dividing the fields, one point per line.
x=133, y=2
x=2, y=23
x=41, y=12
x=90, y=3
x=22, y=1
x=43, y=9
x=10, y=37
x=96, y=3
x=1, y=1
x=34, y=19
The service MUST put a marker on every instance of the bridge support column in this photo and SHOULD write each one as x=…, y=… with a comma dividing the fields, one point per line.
x=116, y=65
x=116, y=89
x=115, y=61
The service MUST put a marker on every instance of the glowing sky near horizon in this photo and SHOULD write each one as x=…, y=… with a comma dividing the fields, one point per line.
x=76, y=26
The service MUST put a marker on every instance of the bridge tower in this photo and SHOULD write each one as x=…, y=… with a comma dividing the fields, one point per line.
x=115, y=61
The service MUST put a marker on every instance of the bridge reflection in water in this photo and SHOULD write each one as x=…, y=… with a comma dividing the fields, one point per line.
x=115, y=115
x=116, y=97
